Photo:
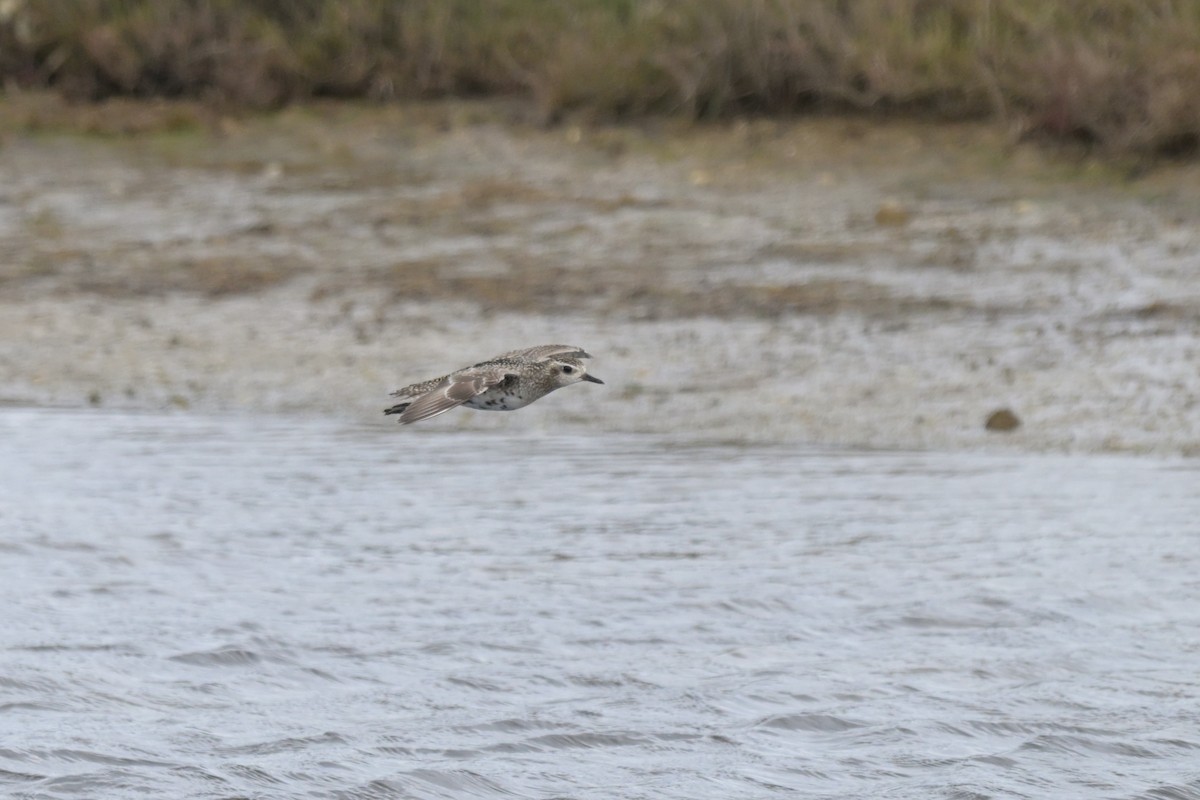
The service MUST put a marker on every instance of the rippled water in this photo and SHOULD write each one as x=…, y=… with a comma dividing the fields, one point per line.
x=263, y=608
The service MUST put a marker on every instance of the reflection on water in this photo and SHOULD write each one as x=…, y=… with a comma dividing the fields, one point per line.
x=244, y=607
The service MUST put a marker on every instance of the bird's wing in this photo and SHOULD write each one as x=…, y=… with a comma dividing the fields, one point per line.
x=453, y=391
x=545, y=351
x=418, y=389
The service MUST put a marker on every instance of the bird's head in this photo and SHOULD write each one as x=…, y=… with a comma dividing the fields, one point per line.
x=565, y=371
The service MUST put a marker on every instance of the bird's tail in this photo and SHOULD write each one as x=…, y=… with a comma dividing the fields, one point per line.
x=398, y=408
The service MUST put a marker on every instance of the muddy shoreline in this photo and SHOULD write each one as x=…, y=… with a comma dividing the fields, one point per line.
x=823, y=282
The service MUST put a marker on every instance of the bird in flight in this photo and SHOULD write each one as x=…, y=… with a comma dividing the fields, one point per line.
x=505, y=383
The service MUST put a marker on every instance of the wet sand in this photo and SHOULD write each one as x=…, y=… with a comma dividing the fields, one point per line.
x=823, y=281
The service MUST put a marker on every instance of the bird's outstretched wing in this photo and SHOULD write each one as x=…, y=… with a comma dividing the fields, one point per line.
x=418, y=389
x=452, y=391
x=545, y=351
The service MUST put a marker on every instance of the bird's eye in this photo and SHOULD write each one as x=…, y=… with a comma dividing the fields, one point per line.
x=568, y=370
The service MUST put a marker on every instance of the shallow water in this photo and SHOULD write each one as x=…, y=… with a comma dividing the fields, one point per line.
x=226, y=607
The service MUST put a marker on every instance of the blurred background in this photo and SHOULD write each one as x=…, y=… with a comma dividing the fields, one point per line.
x=849, y=223
x=891, y=490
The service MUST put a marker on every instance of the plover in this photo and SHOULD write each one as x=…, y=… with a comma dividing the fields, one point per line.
x=504, y=383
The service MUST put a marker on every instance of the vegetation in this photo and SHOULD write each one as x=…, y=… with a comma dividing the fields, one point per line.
x=1121, y=74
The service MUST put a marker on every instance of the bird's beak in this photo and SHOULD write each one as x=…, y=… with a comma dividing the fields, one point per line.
x=592, y=378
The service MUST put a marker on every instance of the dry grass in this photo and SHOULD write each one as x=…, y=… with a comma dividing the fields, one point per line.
x=1121, y=74
x=112, y=116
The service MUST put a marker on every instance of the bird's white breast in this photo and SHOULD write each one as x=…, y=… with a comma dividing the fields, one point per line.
x=498, y=400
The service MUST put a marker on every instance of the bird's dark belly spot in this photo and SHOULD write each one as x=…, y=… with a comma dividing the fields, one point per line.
x=494, y=402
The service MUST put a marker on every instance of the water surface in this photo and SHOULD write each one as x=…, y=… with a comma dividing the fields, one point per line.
x=230, y=607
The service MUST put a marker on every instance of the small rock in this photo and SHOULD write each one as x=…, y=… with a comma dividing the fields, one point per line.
x=892, y=215
x=1002, y=419
x=259, y=228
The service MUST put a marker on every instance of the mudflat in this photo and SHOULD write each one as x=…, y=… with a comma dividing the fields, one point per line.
x=829, y=281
